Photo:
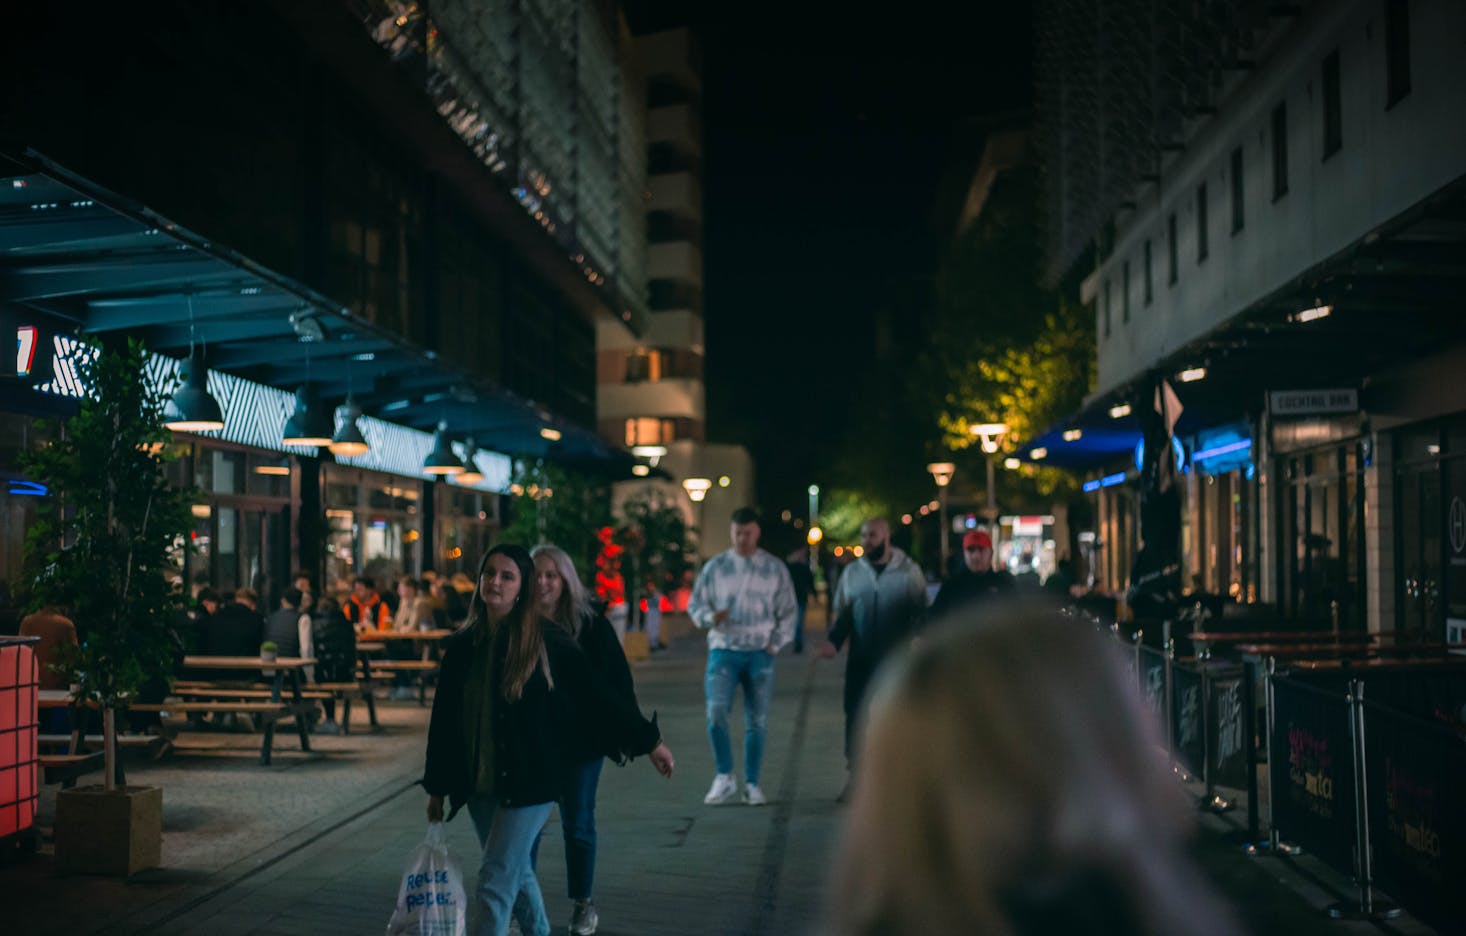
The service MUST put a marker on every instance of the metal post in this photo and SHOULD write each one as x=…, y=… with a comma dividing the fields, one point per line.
x=1274, y=844
x=1168, y=656
x=1249, y=728
x=1211, y=800
x=992, y=496
x=1365, y=907
x=942, y=522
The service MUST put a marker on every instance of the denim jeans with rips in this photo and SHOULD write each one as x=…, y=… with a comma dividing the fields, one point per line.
x=727, y=670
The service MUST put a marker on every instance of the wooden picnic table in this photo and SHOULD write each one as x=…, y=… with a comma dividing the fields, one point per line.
x=1374, y=663
x=299, y=706
x=373, y=642
x=436, y=634
x=53, y=698
x=1280, y=637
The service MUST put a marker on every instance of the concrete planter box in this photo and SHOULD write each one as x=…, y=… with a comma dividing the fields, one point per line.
x=118, y=832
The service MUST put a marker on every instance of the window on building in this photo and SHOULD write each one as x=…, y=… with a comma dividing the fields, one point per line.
x=650, y=430
x=1397, y=50
x=1149, y=289
x=1107, y=308
x=1333, y=108
x=1201, y=222
x=1239, y=216
x=644, y=365
x=1280, y=150
x=1171, y=255
x=1125, y=291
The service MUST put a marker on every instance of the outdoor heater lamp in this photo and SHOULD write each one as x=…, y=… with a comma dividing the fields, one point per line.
x=310, y=424
x=441, y=460
x=191, y=408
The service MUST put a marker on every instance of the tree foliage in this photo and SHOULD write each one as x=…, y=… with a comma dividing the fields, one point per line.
x=659, y=545
x=1006, y=349
x=553, y=504
x=102, y=543
x=845, y=510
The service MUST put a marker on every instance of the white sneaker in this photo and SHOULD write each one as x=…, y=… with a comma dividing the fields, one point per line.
x=584, y=920
x=753, y=796
x=724, y=788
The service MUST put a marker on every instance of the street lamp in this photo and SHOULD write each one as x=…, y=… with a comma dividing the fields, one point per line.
x=942, y=474
x=991, y=437
x=697, y=489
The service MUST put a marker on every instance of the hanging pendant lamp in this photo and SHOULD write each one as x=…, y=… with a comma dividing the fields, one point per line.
x=348, y=440
x=472, y=475
x=191, y=408
x=441, y=460
x=310, y=424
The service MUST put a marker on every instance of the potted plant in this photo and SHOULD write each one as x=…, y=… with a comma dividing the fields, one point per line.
x=102, y=546
x=269, y=651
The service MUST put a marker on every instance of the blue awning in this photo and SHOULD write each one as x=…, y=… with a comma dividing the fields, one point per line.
x=99, y=264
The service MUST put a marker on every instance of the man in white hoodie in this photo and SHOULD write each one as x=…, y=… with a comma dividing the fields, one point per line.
x=880, y=602
x=744, y=599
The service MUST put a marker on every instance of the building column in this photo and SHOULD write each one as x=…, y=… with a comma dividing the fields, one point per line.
x=1379, y=540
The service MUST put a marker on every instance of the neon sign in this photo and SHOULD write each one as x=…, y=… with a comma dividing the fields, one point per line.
x=25, y=350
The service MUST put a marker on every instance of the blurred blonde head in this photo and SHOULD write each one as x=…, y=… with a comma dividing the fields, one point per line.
x=1009, y=783
x=573, y=605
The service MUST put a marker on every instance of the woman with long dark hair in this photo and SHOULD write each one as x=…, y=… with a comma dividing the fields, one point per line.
x=512, y=692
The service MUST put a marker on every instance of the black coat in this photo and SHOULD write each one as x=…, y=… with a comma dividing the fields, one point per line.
x=535, y=738
x=966, y=589
x=597, y=640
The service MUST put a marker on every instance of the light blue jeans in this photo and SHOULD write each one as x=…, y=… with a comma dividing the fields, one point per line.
x=727, y=670
x=506, y=881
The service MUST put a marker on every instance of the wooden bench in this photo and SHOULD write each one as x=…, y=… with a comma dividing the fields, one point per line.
x=424, y=668
x=65, y=768
x=317, y=691
x=342, y=692
x=268, y=712
x=152, y=744
x=217, y=692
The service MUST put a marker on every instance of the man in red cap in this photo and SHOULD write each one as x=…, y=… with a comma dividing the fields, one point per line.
x=979, y=582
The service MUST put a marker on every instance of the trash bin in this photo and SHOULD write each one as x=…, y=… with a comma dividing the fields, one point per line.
x=19, y=684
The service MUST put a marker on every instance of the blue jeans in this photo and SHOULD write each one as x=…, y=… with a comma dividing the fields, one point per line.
x=727, y=670
x=578, y=826
x=506, y=881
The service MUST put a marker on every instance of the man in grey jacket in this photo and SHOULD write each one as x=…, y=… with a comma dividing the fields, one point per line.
x=879, y=604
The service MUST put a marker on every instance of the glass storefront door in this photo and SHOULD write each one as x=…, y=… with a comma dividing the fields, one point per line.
x=1430, y=505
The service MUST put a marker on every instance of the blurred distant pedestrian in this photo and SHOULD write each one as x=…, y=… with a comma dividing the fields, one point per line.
x=803, y=579
x=879, y=604
x=979, y=580
x=1008, y=763
x=744, y=599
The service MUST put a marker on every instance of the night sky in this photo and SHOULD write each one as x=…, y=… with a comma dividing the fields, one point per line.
x=825, y=143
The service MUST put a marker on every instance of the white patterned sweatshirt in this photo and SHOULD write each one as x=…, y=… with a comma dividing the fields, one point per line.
x=758, y=594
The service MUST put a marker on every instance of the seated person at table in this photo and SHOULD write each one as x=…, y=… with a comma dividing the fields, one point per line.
x=55, y=629
x=414, y=613
x=237, y=629
x=334, y=644
x=365, y=608
x=290, y=626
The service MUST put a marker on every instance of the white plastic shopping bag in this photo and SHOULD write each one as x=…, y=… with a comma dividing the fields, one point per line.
x=430, y=901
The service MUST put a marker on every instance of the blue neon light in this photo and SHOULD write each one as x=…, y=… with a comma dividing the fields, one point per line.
x=1176, y=446
x=1107, y=481
x=1222, y=450
x=27, y=489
